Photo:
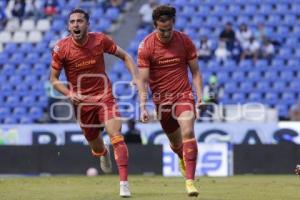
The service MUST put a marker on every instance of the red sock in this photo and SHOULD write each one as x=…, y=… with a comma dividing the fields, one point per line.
x=178, y=150
x=121, y=156
x=190, y=153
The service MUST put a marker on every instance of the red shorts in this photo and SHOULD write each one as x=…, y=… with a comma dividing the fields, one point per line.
x=168, y=114
x=91, y=116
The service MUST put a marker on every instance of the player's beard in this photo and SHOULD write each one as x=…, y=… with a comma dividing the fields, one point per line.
x=80, y=37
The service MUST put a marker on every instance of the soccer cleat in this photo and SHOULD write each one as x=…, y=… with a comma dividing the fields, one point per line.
x=181, y=167
x=124, y=189
x=191, y=189
x=105, y=162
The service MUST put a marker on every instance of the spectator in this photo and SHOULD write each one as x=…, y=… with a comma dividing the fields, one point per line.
x=222, y=53
x=205, y=50
x=146, y=14
x=18, y=9
x=294, y=113
x=267, y=50
x=133, y=135
x=228, y=35
x=32, y=9
x=211, y=93
x=50, y=7
x=251, y=49
x=261, y=34
x=3, y=19
x=243, y=35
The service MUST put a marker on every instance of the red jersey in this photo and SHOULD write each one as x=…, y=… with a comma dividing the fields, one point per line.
x=84, y=65
x=168, y=65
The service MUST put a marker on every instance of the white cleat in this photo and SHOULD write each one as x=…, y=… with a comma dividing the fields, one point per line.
x=105, y=162
x=124, y=189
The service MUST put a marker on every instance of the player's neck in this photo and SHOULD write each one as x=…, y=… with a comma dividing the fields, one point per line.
x=82, y=41
x=163, y=40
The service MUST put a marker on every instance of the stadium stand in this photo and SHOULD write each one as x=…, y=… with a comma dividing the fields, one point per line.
x=26, y=53
x=25, y=56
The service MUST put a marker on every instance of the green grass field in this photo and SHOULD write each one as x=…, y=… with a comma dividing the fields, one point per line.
x=150, y=188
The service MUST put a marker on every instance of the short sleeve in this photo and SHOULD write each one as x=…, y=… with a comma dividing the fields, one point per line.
x=143, y=56
x=57, y=62
x=191, y=51
x=109, y=45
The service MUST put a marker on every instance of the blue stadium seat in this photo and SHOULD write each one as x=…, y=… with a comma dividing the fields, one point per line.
x=255, y=97
x=19, y=111
x=24, y=69
x=250, y=9
x=271, y=75
x=8, y=69
x=262, y=86
x=10, y=48
x=254, y=76
x=10, y=120
x=278, y=62
x=265, y=9
x=29, y=101
x=218, y=10
x=246, y=87
x=97, y=13
x=36, y=112
x=273, y=20
x=194, y=23
x=26, y=47
x=32, y=58
x=4, y=112
x=238, y=76
x=234, y=9
x=243, y=19
x=295, y=8
x=4, y=57
x=58, y=25
x=290, y=19
x=42, y=101
x=192, y=33
x=286, y=75
x=282, y=8
x=15, y=80
x=259, y=18
x=283, y=31
x=104, y=24
x=12, y=101
x=288, y=98
x=22, y=89
x=16, y=58
x=222, y=77
x=112, y=13
x=182, y=22
x=271, y=98
x=40, y=47
x=284, y=53
x=282, y=110
x=279, y=86
x=294, y=86
x=26, y=120
x=230, y=87
x=238, y=97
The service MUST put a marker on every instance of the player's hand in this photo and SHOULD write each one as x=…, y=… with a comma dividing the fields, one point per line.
x=297, y=170
x=74, y=98
x=198, y=107
x=144, y=117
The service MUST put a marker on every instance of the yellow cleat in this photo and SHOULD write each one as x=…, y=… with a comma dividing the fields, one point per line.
x=191, y=189
x=181, y=167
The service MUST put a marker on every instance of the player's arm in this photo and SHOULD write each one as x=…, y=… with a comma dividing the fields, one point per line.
x=131, y=66
x=143, y=93
x=60, y=87
x=197, y=78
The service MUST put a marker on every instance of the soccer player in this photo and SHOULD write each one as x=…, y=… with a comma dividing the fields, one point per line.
x=164, y=58
x=81, y=56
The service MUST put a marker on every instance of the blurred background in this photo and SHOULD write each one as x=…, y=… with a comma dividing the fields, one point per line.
x=249, y=56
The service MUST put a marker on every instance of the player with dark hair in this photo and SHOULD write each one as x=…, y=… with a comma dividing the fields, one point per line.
x=164, y=58
x=81, y=56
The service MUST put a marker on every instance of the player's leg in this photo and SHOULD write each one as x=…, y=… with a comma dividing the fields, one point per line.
x=186, y=118
x=113, y=127
x=172, y=130
x=87, y=117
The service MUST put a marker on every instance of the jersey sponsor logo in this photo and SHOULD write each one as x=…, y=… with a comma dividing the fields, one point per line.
x=169, y=61
x=86, y=62
x=56, y=48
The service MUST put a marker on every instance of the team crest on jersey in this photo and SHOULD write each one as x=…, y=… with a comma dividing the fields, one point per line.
x=141, y=45
x=56, y=48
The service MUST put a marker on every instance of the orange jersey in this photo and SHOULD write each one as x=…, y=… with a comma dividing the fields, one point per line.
x=168, y=64
x=84, y=65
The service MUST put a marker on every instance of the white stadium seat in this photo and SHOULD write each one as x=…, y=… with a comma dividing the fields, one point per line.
x=35, y=36
x=28, y=25
x=12, y=24
x=5, y=36
x=20, y=36
x=43, y=25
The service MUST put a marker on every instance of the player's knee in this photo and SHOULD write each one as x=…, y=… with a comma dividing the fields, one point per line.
x=187, y=133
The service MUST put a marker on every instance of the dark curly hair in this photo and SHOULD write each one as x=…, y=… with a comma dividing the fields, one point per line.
x=163, y=13
x=79, y=10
